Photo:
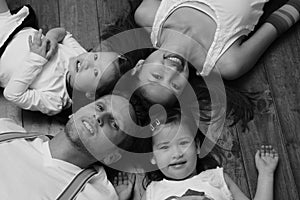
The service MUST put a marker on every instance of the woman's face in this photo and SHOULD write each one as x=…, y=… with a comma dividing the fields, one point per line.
x=86, y=70
x=164, y=69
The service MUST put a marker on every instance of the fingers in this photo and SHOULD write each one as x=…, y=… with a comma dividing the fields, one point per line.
x=30, y=41
x=122, y=179
x=37, y=37
x=268, y=151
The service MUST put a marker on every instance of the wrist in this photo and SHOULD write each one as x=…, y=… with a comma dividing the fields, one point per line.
x=266, y=175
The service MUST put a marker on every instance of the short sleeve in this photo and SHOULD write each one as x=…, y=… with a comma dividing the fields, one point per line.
x=215, y=177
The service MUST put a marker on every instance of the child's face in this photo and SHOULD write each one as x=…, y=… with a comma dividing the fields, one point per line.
x=87, y=69
x=175, y=151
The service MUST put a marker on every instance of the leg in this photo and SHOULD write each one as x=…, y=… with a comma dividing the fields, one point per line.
x=3, y=6
x=241, y=57
x=286, y=16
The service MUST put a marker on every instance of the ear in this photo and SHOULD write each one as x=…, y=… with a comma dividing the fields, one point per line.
x=90, y=95
x=137, y=67
x=153, y=161
x=112, y=157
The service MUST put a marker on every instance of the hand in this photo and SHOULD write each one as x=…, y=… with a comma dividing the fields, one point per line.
x=266, y=160
x=124, y=185
x=37, y=45
x=51, y=47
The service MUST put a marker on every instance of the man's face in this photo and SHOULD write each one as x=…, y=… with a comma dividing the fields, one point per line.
x=98, y=127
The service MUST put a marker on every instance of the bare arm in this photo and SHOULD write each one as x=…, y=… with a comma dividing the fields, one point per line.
x=266, y=161
x=241, y=57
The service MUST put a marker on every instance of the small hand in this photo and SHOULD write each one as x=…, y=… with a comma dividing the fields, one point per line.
x=266, y=160
x=51, y=47
x=36, y=44
x=124, y=185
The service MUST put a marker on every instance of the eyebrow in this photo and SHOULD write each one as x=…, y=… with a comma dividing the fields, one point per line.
x=162, y=143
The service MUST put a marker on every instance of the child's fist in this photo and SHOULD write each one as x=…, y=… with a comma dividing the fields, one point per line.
x=37, y=44
x=266, y=160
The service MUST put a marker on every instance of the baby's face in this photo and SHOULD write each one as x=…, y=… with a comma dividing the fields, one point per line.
x=174, y=151
x=86, y=70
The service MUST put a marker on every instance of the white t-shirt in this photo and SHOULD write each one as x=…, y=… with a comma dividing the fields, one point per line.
x=210, y=184
x=234, y=18
x=28, y=171
x=30, y=81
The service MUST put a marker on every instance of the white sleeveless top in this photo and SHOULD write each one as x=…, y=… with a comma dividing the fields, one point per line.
x=234, y=18
x=210, y=184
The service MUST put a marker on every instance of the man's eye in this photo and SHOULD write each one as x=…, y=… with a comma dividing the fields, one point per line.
x=96, y=72
x=157, y=76
x=95, y=56
x=114, y=124
x=100, y=107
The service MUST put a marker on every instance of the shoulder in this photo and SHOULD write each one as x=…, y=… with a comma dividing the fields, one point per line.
x=145, y=13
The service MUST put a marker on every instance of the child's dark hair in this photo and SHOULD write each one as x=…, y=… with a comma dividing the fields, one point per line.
x=175, y=116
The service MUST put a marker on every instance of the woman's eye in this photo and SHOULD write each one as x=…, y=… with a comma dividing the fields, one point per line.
x=96, y=72
x=163, y=147
x=157, y=76
x=175, y=86
x=184, y=142
x=114, y=124
x=95, y=56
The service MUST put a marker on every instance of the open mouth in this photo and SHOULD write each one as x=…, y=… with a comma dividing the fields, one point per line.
x=178, y=164
x=176, y=61
x=88, y=127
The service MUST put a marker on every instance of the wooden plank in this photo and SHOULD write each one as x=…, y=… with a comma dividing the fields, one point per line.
x=46, y=11
x=80, y=18
x=284, y=75
x=110, y=11
x=265, y=129
x=232, y=158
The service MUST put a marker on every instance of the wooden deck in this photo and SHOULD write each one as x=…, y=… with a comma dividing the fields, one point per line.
x=276, y=77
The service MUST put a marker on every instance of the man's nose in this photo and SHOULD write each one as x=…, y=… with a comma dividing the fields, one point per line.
x=100, y=118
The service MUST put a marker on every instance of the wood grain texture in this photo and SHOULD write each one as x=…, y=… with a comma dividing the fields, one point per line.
x=110, y=11
x=283, y=70
x=80, y=18
x=265, y=129
x=46, y=11
x=232, y=158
